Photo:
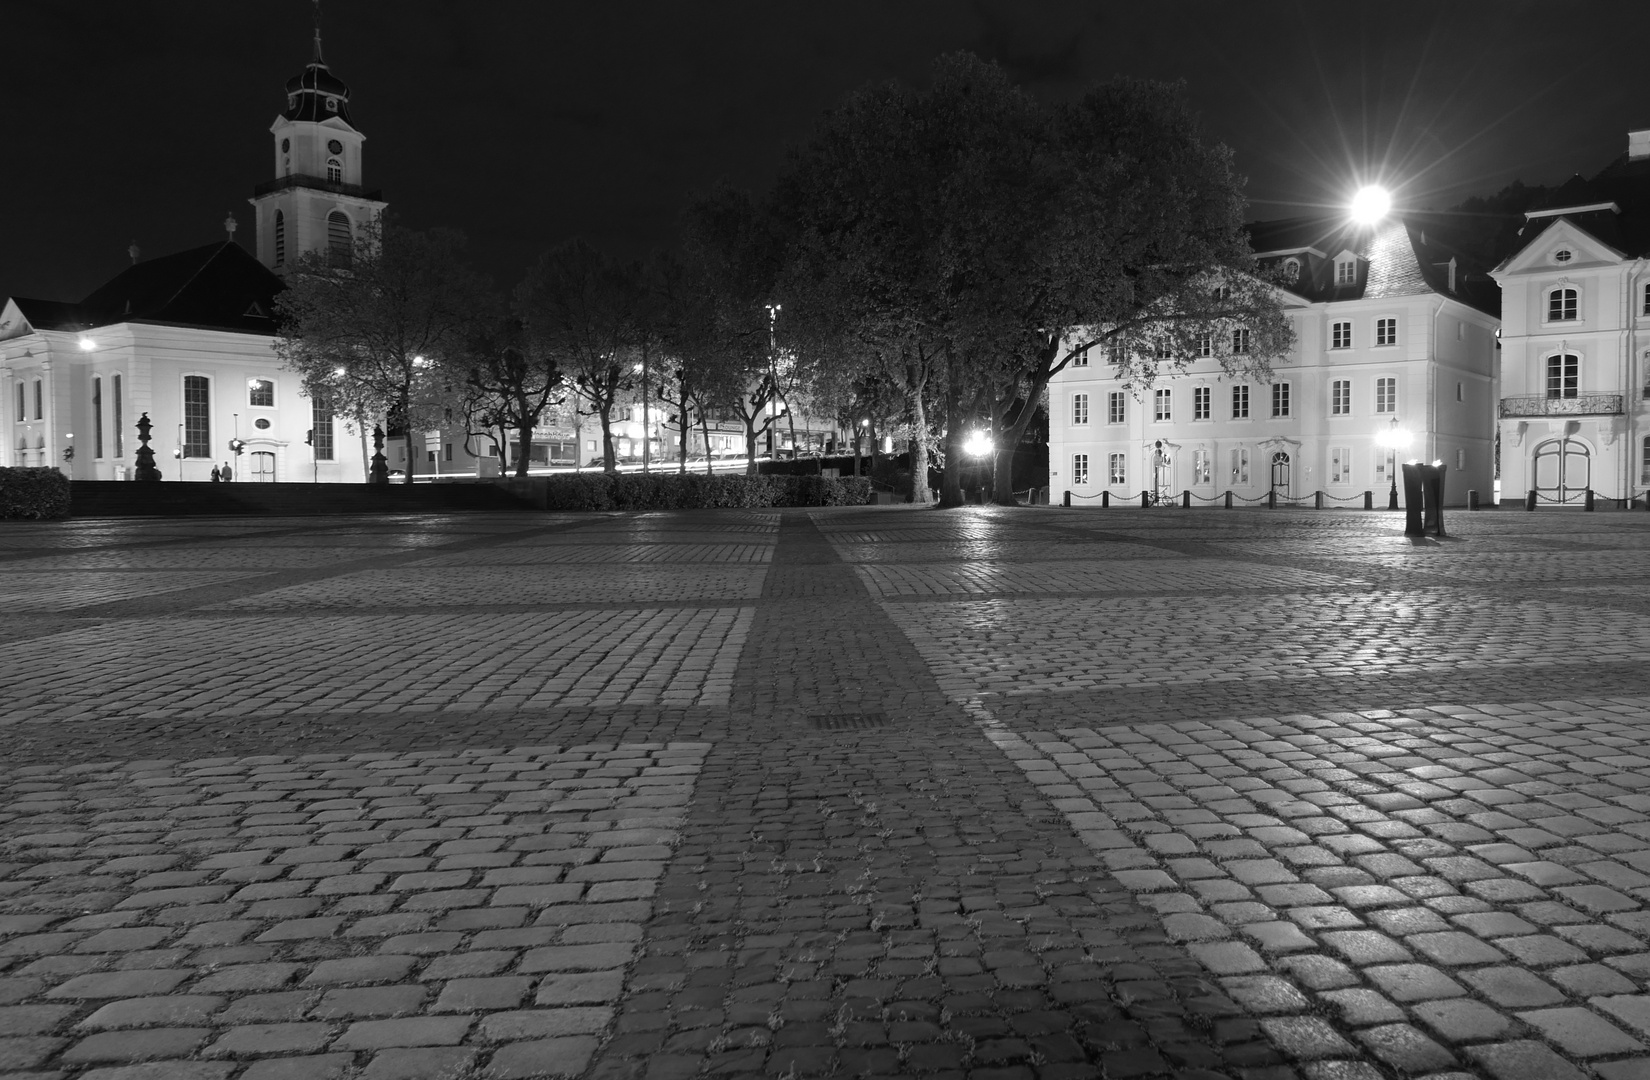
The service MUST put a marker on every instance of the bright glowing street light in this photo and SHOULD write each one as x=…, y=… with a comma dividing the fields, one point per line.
x=978, y=444
x=1370, y=204
x=1394, y=438
x=87, y=344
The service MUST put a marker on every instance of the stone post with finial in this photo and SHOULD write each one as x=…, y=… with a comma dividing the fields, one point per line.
x=146, y=469
x=230, y=225
x=380, y=465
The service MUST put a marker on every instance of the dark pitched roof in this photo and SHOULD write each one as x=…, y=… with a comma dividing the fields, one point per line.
x=1398, y=257
x=219, y=287
x=1625, y=183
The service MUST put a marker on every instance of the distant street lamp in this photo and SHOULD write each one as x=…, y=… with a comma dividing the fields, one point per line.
x=978, y=444
x=1394, y=438
x=1370, y=204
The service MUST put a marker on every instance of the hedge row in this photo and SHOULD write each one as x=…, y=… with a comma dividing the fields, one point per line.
x=696, y=491
x=33, y=493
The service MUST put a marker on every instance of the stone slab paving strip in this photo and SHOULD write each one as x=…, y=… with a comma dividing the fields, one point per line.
x=292, y=914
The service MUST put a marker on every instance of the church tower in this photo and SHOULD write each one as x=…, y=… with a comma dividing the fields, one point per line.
x=317, y=201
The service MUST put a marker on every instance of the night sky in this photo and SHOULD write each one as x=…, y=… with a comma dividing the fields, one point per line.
x=525, y=123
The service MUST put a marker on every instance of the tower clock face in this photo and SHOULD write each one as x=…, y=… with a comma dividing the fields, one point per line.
x=286, y=146
x=335, y=147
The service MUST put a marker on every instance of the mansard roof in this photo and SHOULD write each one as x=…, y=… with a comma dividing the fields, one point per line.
x=219, y=287
x=1401, y=256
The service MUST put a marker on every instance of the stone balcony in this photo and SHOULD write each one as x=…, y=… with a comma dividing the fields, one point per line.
x=1580, y=405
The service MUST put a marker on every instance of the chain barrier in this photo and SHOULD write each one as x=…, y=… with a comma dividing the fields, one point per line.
x=1346, y=499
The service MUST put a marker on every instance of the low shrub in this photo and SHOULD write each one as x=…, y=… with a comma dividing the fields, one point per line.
x=35, y=494
x=696, y=491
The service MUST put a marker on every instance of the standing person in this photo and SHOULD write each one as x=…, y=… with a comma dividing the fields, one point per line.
x=227, y=473
x=216, y=475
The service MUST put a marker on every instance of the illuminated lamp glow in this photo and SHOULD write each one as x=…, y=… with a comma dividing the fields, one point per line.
x=1370, y=204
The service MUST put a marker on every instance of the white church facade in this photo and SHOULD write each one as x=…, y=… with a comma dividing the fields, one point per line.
x=188, y=338
x=1394, y=336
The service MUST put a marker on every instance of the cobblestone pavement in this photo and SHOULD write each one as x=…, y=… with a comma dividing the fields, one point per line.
x=849, y=792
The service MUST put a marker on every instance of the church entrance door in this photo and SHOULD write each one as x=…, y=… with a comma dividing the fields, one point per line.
x=263, y=467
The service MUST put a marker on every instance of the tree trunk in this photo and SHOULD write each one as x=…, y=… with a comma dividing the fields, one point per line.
x=525, y=433
x=610, y=462
x=750, y=445
x=686, y=426
x=1003, y=488
x=951, y=492
x=919, y=446
x=704, y=429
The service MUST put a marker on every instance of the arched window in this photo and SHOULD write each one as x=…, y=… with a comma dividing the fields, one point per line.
x=280, y=238
x=1562, y=304
x=1291, y=270
x=1563, y=375
x=335, y=171
x=338, y=238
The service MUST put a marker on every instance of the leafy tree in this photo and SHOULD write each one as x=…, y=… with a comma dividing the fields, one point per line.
x=581, y=306
x=512, y=380
x=381, y=333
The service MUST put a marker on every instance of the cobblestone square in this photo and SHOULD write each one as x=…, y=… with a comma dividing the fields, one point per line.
x=844, y=792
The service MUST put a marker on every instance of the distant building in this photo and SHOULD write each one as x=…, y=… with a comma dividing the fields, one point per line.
x=1575, y=345
x=188, y=338
x=1395, y=333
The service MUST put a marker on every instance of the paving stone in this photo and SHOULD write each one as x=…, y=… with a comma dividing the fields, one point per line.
x=424, y=1063
x=141, y=1045
x=1580, y=1032
x=546, y=1057
x=1512, y=988
x=176, y=1010
x=255, y=1039
x=1459, y=1020
x=415, y=1031
x=1406, y=1048
x=307, y=1067
x=1522, y=1060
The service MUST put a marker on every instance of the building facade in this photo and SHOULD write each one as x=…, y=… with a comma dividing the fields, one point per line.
x=1394, y=335
x=188, y=338
x=1574, y=414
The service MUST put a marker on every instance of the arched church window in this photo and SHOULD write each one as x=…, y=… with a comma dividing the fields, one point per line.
x=338, y=238
x=280, y=238
x=335, y=171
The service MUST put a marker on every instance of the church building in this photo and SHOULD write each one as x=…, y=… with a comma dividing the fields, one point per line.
x=188, y=338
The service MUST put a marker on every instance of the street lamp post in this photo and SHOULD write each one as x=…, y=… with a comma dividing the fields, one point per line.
x=1394, y=438
x=978, y=446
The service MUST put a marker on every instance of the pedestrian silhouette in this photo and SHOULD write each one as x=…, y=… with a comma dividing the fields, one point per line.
x=226, y=472
x=216, y=475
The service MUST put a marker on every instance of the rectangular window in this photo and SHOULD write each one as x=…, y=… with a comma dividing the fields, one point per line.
x=1200, y=402
x=197, y=416
x=1081, y=359
x=97, y=417
x=260, y=393
x=320, y=423
x=1240, y=342
x=1561, y=305
x=1646, y=308
x=1340, y=335
x=39, y=401
x=1116, y=410
x=21, y=415
x=1118, y=471
x=1206, y=345
x=1164, y=404
x=1240, y=402
x=1644, y=473
x=1280, y=399
x=1563, y=375
x=120, y=422
x=1386, y=395
x=1200, y=466
x=1346, y=272
x=1079, y=408
x=1340, y=397
x=447, y=451
x=1386, y=331
x=1340, y=465
x=1240, y=466
x=1079, y=468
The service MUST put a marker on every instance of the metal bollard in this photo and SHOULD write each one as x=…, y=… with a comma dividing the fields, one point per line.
x=1272, y=499
x=1186, y=499
x=1105, y=499
x=1317, y=500
x=1145, y=498
x=1472, y=498
x=1228, y=499
x=1587, y=501
x=1066, y=502
x=1529, y=500
x=1369, y=500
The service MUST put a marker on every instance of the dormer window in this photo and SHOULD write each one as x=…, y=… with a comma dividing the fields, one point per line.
x=1346, y=272
x=335, y=171
x=1291, y=270
x=1561, y=305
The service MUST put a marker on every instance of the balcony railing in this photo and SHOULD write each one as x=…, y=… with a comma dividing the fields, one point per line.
x=1580, y=405
x=292, y=180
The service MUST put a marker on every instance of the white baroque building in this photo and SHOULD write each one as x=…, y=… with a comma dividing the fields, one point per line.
x=1393, y=334
x=1574, y=412
x=188, y=338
